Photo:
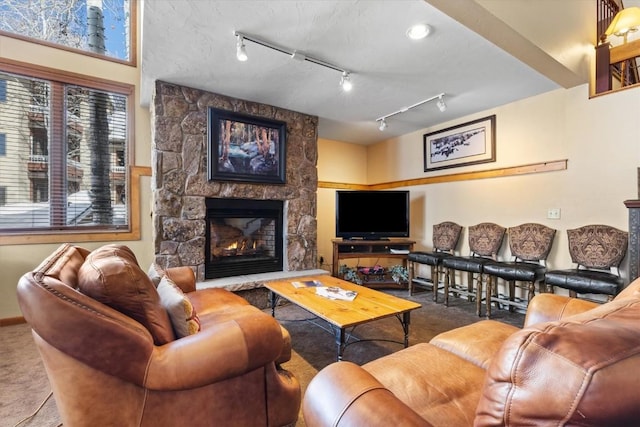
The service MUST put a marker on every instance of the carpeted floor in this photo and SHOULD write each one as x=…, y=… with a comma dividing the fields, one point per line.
x=24, y=385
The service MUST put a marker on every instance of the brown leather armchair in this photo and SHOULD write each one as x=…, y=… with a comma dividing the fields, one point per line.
x=108, y=369
x=574, y=363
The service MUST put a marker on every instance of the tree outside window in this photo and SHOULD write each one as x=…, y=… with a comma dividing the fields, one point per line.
x=70, y=23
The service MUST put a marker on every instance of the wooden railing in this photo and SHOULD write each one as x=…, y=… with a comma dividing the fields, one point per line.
x=607, y=10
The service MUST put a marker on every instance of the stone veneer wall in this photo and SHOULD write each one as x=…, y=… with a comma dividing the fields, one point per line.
x=180, y=184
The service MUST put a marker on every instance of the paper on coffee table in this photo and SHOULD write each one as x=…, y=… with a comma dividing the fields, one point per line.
x=335, y=292
x=306, y=283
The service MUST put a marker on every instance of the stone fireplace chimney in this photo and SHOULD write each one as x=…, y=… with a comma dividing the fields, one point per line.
x=180, y=185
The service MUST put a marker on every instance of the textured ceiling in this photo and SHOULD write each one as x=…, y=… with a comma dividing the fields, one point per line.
x=474, y=54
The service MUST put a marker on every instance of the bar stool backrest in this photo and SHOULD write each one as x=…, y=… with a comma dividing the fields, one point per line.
x=597, y=246
x=530, y=241
x=485, y=239
x=446, y=236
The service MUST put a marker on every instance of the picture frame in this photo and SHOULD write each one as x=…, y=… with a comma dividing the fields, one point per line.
x=245, y=148
x=466, y=144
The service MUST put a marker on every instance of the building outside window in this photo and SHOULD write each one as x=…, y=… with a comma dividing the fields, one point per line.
x=3, y=90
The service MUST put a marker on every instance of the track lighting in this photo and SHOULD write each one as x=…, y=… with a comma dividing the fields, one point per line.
x=345, y=82
x=441, y=106
x=241, y=54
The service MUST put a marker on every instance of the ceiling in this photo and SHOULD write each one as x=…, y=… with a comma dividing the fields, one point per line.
x=481, y=54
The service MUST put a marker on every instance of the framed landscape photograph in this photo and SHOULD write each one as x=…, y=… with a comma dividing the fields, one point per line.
x=462, y=145
x=245, y=148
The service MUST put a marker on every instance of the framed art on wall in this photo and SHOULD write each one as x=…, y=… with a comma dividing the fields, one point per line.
x=245, y=148
x=461, y=145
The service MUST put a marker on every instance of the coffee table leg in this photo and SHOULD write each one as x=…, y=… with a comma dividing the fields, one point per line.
x=339, y=334
x=406, y=320
x=274, y=302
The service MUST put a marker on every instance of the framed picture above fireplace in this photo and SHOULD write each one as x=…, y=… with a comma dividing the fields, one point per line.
x=245, y=148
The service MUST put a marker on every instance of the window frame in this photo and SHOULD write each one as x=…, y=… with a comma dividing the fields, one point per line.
x=132, y=232
x=133, y=50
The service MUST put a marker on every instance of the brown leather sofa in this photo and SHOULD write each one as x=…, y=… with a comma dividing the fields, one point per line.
x=107, y=368
x=575, y=363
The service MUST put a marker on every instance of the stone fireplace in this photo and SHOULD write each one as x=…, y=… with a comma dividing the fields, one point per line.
x=181, y=188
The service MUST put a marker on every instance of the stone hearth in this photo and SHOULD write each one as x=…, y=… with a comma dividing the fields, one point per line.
x=180, y=184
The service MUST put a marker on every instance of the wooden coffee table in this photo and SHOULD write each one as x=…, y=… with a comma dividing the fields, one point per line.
x=369, y=305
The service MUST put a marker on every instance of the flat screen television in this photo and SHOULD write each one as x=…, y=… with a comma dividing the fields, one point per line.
x=372, y=215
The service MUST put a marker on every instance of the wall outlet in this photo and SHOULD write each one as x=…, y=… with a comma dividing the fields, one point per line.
x=553, y=213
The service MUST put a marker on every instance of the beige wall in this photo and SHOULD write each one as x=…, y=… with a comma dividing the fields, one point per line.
x=599, y=137
x=15, y=260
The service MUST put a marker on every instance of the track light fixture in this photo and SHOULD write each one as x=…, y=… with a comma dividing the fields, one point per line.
x=441, y=106
x=345, y=82
x=241, y=54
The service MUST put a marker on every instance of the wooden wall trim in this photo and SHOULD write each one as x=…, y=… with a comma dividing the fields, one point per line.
x=552, y=166
x=10, y=321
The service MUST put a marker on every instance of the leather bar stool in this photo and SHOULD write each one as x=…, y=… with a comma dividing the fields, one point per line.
x=446, y=236
x=530, y=245
x=485, y=240
x=597, y=250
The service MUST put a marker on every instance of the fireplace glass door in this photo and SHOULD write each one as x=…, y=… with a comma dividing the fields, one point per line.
x=243, y=237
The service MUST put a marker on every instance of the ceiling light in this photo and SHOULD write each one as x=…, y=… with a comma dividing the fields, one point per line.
x=441, y=106
x=241, y=52
x=418, y=32
x=345, y=82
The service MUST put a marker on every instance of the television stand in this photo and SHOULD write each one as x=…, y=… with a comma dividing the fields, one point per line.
x=356, y=239
x=393, y=248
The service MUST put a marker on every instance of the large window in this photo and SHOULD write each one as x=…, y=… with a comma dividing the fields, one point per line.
x=100, y=27
x=66, y=148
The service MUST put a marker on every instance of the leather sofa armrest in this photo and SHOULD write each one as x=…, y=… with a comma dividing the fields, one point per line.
x=183, y=276
x=552, y=307
x=221, y=351
x=285, y=353
x=344, y=394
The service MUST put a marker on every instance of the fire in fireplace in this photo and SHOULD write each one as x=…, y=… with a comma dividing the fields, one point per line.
x=243, y=236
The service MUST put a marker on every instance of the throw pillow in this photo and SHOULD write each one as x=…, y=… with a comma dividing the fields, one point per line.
x=112, y=276
x=155, y=273
x=183, y=315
